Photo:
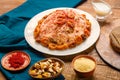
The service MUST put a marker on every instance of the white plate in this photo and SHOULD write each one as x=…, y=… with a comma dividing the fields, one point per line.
x=95, y=32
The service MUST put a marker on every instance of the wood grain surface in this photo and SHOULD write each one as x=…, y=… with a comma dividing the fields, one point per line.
x=105, y=49
x=103, y=71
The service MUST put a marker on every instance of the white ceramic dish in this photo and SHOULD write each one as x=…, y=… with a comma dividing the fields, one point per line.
x=29, y=29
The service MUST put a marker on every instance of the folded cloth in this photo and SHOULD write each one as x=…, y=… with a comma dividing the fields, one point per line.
x=12, y=26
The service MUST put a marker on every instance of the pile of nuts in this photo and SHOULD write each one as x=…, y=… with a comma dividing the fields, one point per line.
x=46, y=68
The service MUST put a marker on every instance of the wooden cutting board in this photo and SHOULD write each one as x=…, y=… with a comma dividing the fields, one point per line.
x=104, y=48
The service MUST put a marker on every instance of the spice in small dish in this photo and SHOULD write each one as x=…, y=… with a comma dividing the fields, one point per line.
x=46, y=68
x=15, y=60
x=84, y=65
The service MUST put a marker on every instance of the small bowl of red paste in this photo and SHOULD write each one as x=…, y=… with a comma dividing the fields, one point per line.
x=15, y=60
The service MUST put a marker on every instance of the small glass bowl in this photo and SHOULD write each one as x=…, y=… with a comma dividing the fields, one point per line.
x=102, y=9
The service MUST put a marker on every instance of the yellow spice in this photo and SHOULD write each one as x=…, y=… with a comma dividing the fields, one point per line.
x=84, y=64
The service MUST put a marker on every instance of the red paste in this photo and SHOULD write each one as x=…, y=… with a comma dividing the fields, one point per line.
x=16, y=60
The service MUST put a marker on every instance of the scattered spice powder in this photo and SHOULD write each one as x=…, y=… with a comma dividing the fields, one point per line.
x=16, y=60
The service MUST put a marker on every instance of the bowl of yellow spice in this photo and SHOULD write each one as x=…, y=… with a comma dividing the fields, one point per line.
x=84, y=65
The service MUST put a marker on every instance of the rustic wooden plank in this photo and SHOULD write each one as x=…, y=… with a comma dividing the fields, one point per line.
x=7, y=5
x=2, y=77
x=103, y=71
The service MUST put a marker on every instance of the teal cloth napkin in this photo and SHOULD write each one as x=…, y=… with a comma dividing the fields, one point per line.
x=12, y=25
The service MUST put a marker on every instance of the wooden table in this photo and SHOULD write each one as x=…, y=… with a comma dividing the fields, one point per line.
x=103, y=71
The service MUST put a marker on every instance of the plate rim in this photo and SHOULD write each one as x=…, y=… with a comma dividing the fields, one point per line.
x=59, y=51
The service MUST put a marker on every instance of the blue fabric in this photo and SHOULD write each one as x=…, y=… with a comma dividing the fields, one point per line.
x=12, y=26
